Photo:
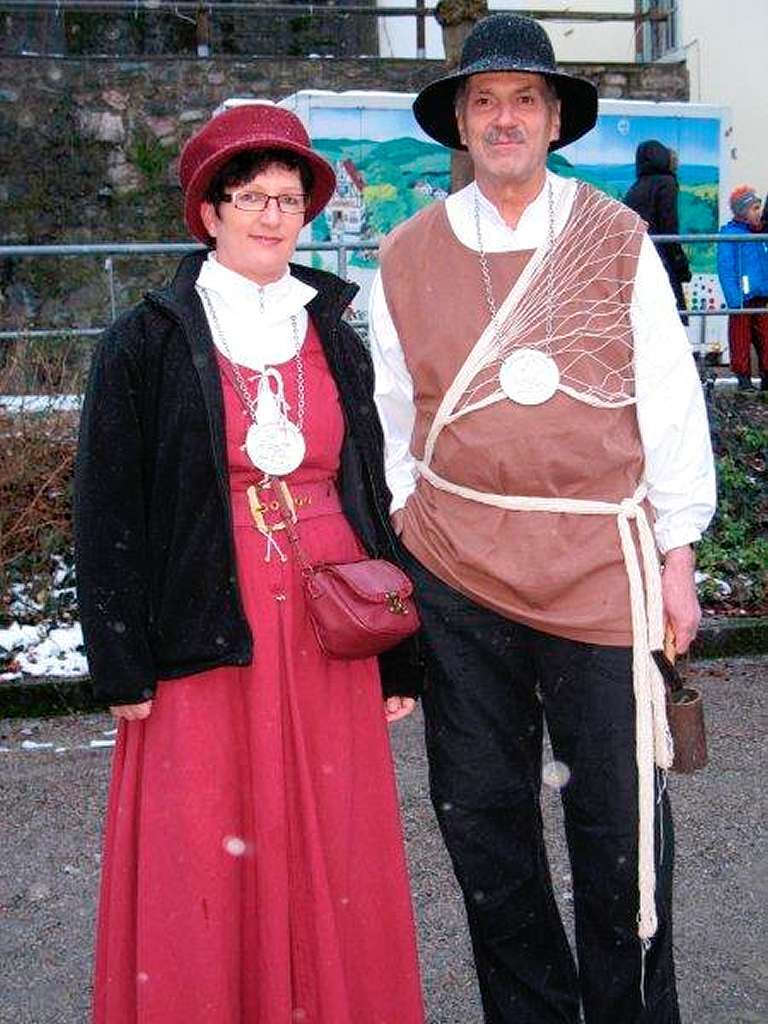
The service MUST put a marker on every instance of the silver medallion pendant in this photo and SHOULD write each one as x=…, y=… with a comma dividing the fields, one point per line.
x=276, y=448
x=529, y=377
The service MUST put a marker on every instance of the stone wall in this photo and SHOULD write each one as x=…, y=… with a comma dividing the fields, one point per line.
x=88, y=148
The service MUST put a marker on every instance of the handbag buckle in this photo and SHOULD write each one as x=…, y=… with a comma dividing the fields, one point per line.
x=395, y=603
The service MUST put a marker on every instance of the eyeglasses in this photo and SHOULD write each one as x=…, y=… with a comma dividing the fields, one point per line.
x=255, y=202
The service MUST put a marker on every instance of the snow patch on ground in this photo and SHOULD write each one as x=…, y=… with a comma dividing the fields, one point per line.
x=724, y=588
x=42, y=651
x=41, y=403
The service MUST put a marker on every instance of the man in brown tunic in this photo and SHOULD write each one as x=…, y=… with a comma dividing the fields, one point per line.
x=545, y=441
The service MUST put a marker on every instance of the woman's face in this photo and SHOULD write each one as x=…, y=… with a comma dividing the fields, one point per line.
x=257, y=245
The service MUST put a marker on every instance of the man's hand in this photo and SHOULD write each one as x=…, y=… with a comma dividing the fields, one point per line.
x=398, y=707
x=678, y=590
x=132, y=712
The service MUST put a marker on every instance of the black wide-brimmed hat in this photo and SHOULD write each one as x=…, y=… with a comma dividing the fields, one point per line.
x=507, y=42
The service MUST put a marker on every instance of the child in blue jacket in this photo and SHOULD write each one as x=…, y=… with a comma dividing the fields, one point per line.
x=743, y=271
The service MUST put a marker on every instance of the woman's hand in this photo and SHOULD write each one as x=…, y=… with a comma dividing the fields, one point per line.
x=398, y=707
x=396, y=518
x=132, y=712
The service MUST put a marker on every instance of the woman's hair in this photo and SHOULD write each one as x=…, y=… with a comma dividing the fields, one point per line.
x=243, y=167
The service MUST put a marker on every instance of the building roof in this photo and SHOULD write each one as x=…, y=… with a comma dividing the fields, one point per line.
x=357, y=179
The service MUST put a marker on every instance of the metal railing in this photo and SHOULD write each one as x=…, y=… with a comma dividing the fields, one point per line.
x=203, y=13
x=717, y=239
x=342, y=251
x=255, y=7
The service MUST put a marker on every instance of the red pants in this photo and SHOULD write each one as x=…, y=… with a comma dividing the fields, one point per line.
x=745, y=331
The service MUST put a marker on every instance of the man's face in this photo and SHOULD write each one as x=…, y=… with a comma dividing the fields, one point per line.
x=507, y=120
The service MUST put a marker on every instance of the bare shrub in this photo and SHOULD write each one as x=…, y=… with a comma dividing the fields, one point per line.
x=38, y=438
x=47, y=366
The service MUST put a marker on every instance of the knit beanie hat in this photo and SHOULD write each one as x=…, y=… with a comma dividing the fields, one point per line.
x=742, y=198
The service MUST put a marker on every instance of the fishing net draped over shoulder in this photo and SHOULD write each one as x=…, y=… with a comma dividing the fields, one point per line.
x=570, y=304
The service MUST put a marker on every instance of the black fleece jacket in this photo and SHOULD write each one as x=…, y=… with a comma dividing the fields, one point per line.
x=157, y=582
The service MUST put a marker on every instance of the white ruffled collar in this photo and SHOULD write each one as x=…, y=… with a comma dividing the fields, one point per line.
x=267, y=305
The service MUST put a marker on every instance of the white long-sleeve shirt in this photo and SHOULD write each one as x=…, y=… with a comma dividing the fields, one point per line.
x=674, y=431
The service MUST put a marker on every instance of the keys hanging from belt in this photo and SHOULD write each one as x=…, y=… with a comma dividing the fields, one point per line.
x=257, y=514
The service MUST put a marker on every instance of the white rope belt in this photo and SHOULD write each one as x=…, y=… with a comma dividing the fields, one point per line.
x=654, y=742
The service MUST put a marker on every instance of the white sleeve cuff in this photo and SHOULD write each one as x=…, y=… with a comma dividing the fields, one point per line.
x=675, y=536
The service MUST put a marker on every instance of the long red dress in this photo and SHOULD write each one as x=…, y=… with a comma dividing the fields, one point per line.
x=253, y=867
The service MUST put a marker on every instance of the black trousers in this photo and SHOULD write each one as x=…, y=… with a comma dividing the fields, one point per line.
x=491, y=684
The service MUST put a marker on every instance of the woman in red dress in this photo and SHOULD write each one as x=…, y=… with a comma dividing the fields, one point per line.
x=253, y=865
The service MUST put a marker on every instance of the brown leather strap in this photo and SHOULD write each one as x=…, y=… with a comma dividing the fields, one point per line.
x=280, y=487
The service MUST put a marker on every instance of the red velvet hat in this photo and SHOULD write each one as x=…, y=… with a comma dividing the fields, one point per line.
x=245, y=127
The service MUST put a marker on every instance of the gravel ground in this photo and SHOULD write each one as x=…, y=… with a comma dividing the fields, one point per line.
x=51, y=801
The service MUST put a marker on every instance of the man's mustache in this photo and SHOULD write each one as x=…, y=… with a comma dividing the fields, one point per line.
x=494, y=135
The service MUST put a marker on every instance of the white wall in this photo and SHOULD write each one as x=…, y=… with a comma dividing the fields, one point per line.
x=726, y=47
x=572, y=40
x=397, y=36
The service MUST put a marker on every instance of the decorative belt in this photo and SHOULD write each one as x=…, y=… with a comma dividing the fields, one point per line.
x=257, y=506
x=654, y=741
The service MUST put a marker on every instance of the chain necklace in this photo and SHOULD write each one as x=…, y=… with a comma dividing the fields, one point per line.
x=528, y=376
x=486, y=270
x=275, y=446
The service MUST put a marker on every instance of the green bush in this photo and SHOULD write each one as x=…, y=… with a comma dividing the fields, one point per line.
x=734, y=552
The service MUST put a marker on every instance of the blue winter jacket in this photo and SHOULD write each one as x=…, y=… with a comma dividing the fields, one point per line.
x=742, y=267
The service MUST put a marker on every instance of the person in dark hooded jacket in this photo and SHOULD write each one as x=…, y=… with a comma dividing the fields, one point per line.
x=654, y=197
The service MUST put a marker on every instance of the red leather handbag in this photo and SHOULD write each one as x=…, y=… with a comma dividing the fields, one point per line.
x=357, y=609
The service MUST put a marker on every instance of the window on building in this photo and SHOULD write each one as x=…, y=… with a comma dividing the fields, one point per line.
x=659, y=34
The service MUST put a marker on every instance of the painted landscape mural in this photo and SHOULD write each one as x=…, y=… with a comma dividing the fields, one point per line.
x=606, y=157
x=387, y=169
x=386, y=173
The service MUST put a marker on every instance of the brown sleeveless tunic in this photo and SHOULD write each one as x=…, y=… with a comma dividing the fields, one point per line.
x=559, y=572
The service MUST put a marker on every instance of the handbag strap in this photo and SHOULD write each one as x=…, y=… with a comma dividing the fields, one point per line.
x=281, y=492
